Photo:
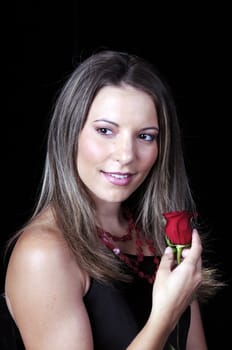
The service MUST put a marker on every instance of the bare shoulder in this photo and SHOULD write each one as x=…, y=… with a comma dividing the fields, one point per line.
x=41, y=249
x=43, y=282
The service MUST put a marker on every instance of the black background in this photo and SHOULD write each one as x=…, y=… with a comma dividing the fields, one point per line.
x=189, y=44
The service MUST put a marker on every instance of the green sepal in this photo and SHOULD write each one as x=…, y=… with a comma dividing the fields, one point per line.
x=177, y=249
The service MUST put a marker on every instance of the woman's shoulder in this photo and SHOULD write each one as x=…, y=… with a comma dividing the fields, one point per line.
x=41, y=240
x=42, y=255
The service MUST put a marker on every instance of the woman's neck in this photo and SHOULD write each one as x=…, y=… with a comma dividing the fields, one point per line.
x=111, y=219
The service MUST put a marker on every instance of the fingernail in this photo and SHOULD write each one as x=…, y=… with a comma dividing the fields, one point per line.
x=168, y=250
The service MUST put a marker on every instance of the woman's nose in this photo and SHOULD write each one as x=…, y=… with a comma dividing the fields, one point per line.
x=125, y=150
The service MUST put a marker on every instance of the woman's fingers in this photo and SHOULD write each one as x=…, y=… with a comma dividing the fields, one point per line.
x=166, y=262
x=194, y=252
x=192, y=259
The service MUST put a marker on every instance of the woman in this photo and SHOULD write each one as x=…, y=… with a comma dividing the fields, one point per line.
x=91, y=270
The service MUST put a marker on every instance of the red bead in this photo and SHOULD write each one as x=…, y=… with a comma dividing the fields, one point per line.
x=108, y=239
x=139, y=242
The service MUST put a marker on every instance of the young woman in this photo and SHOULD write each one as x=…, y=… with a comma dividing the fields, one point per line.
x=91, y=270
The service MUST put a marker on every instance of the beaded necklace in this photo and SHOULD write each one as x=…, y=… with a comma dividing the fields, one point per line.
x=134, y=264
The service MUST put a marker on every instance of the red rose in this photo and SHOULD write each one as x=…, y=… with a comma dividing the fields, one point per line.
x=178, y=226
x=178, y=230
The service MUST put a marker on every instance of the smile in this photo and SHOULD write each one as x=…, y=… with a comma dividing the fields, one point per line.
x=118, y=179
x=120, y=176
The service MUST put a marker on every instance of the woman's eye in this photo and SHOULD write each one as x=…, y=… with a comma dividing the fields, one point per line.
x=104, y=131
x=147, y=137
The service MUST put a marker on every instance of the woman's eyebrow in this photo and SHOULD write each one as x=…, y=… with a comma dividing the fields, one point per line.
x=113, y=123
x=106, y=121
x=150, y=128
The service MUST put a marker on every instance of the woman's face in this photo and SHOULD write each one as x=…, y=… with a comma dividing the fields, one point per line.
x=118, y=144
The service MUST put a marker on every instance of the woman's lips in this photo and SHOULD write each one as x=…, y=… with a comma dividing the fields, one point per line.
x=119, y=179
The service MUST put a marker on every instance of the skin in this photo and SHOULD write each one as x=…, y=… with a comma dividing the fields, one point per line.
x=116, y=149
x=119, y=137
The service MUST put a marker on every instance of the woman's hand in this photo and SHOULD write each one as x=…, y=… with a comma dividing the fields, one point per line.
x=174, y=287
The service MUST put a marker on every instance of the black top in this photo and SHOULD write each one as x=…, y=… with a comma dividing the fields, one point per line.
x=10, y=338
x=119, y=310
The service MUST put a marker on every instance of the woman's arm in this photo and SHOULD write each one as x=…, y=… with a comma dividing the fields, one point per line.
x=196, y=337
x=172, y=293
x=44, y=291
